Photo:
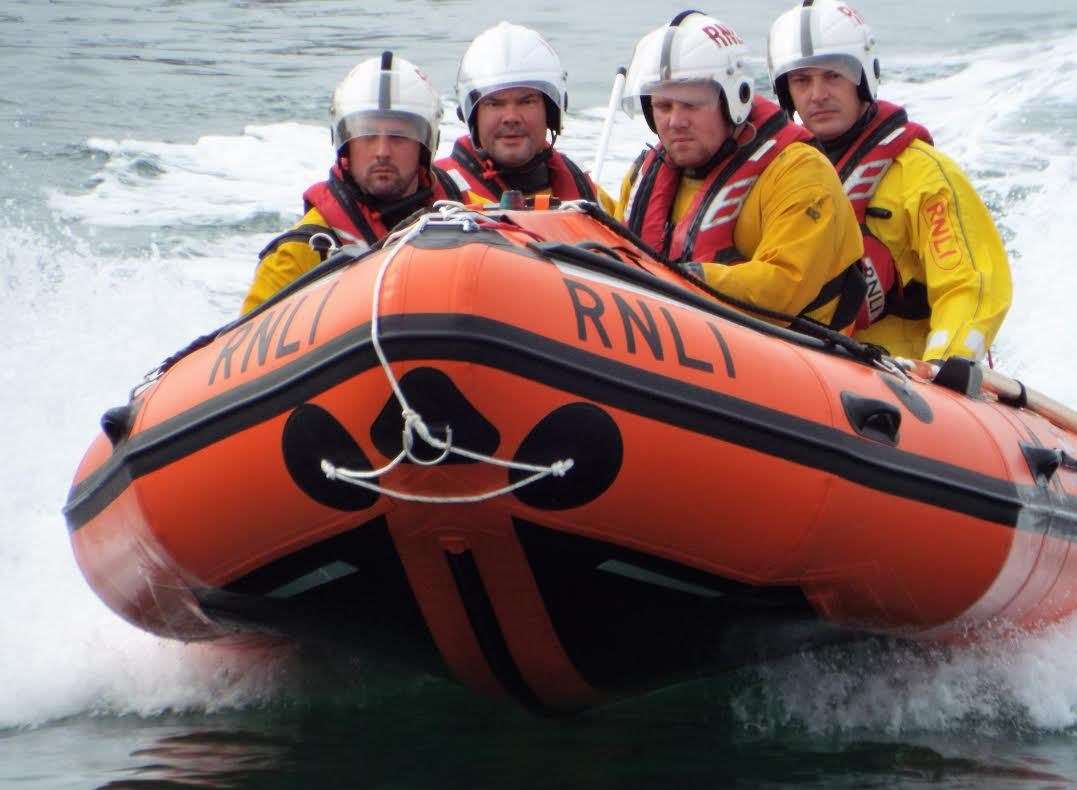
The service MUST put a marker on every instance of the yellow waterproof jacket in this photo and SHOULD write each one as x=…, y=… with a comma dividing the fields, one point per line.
x=285, y=262
x=942, y=237
x=797, y=230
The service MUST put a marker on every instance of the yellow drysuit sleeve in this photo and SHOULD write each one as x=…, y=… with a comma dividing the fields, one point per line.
x=284, y=262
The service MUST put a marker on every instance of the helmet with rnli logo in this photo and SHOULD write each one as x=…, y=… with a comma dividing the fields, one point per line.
x=511, y=56
x=386, y=95
x=693, y=47
x=825, y=34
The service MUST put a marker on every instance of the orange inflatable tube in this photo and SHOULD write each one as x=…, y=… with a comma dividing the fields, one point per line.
x=515, y=448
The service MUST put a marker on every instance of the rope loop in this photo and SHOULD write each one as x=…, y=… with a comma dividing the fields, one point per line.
x=444, y=211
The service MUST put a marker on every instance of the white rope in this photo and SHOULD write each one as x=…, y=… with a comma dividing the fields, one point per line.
x=558, y=469
x=444, y=211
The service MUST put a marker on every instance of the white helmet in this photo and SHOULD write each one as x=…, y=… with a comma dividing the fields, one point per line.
x=510, y=56
x=385, y=88
x=822, y=34
x=693, y=47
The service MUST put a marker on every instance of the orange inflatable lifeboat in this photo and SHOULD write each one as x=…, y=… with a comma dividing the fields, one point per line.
x=515, y=447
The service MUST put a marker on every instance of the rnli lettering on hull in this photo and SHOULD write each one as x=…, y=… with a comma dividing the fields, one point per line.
x=639, y=323
x=256, y=337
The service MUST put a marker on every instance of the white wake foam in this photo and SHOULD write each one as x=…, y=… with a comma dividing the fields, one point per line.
x=1016, y=683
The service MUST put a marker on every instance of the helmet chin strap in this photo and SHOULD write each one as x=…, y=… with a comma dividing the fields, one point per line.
x=744, y=133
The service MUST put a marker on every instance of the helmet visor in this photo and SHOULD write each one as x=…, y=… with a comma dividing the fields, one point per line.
x=694, y=92
x=662, y=60
x=471, y=99
x=377, y=123
x=845, y=65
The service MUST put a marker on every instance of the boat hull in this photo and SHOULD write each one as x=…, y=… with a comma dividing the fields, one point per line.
x=733, y=495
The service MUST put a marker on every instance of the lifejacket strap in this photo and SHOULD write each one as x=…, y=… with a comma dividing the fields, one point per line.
x=348, y=203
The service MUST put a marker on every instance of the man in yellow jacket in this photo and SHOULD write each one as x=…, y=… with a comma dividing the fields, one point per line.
x=937, y=270
x=734, y=192
x=384, y=121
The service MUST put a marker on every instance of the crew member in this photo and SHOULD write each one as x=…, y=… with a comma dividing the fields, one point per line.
x=511, y=91
x=938, y=276
x=734, y=192
x=384, y=121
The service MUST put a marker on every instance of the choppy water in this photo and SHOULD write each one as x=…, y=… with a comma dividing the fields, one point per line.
x=147, y=151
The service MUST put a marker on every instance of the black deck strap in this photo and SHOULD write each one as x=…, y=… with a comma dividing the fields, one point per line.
x=961, y=375
x=602, y=249
x=595, y=211
x=800, y=329
x=194, y=345
x=800, y=323
x=868, y=353
x=1020, y=401
x=849, y=288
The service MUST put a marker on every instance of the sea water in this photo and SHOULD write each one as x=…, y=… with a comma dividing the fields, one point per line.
x=148, y=151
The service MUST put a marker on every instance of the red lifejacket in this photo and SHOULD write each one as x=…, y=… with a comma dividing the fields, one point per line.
x=861, y=170
x=705, y=232
x=473, y=171
x=352, y=219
